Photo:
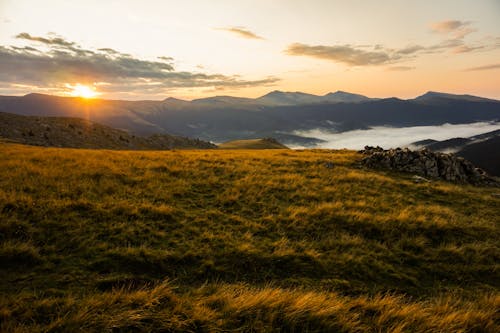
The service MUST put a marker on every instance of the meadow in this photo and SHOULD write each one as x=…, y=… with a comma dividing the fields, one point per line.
x=240, y=241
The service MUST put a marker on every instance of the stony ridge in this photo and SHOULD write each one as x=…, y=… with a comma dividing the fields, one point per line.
x=426, y=163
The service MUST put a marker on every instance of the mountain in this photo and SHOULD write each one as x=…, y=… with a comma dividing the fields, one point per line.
x=438, y=97
x=115, y=113
x=224, y=101
x=287, y=98
x=277, y=114
x=482, y=150
x=281, y=98
x=485, y=154
x=344, y=97
x=80, y=133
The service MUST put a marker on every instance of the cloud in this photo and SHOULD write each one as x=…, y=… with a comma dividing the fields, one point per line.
x=50, y=41
x=458, y=29
x=410, y=49
x=445, y=27
x=400, y=68
x=64, y=62
x=368, y=55
x=484, y=68
x=242, y=32
x=166, y=58
x=342, y=53
x=390, y=137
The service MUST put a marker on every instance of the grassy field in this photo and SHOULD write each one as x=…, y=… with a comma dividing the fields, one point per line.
x=266, y=143
x=240, y=241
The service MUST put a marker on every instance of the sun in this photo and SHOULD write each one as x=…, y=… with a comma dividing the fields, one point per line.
x=83, y=91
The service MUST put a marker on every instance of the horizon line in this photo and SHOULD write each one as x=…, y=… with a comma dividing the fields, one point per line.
x=249, y=98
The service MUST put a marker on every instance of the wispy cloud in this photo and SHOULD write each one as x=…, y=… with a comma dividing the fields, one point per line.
x=242, y=32
x=400, y=68
x=484, y=68
x=59, y=41
x=369, y=55
x=456, y=28
x=346, y=54
x=62, y=62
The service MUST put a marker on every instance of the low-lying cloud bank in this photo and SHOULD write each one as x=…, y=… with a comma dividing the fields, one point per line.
x=391, y=137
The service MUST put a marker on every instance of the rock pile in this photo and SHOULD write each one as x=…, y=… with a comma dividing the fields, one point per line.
x=427, y=164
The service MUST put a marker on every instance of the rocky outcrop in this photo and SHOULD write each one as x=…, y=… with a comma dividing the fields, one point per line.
x=425, y=163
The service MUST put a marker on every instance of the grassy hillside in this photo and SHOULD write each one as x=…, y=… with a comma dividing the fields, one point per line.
x=81, y=133
x=235, y=240
x=266, y=143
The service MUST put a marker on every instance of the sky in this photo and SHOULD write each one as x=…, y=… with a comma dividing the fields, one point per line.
x=189, y=49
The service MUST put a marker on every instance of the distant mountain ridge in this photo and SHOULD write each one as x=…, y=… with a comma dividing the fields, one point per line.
x=277, y=114
x=282, y=98
x=433, y=96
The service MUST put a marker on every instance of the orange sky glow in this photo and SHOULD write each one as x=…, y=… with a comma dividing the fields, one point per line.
x=191, y=49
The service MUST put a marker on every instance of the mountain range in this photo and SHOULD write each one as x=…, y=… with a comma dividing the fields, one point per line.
x=482, y=150
x=277, y=114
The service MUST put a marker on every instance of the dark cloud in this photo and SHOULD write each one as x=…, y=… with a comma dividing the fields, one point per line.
x=169, y=59
x=484, y=68
x=242, y=32
x=342, y=53
x=66, y=62
x=50, y=41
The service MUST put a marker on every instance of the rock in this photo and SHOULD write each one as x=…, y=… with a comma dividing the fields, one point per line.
x=424, y=163
x=418, y=179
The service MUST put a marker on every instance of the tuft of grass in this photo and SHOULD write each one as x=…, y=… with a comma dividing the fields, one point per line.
x=250, y=240
x=243, y=308
x=14, y=254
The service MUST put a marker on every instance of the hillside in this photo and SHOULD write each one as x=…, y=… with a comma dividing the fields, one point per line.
x=240, y=241
x=80, y=133
x=485, y=154
x=266, y=143
x=482, y=150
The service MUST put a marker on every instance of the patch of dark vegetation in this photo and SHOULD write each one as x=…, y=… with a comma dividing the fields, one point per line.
x=15, y=255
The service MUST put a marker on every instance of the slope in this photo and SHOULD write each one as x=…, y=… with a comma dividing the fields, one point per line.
x=80, y=133
x=234, y=240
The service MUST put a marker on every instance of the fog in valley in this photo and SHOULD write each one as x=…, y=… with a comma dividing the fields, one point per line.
x=392, y=137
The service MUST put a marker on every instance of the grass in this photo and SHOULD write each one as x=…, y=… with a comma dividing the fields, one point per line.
x=266, y=143
x=240, y=240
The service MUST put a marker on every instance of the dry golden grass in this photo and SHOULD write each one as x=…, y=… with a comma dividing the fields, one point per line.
x=266, y=143
x=230, y=240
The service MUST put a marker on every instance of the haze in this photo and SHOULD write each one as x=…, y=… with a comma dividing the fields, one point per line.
x=192, y=49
